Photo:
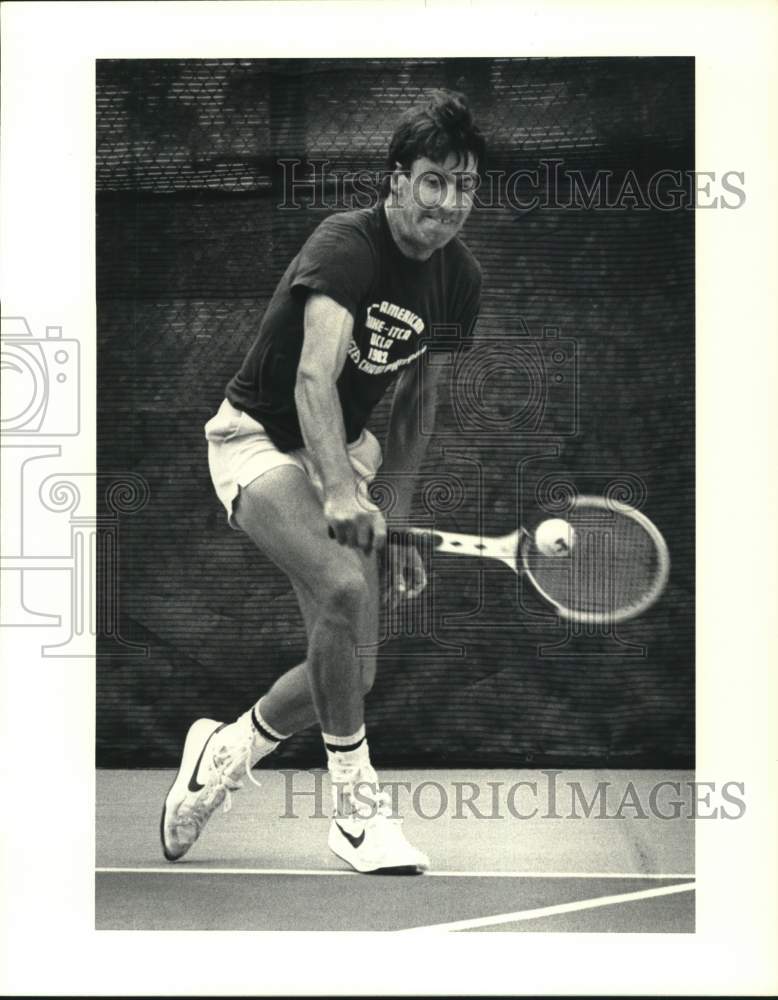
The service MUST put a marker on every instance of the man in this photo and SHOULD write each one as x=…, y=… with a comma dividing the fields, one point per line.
x=290, y=458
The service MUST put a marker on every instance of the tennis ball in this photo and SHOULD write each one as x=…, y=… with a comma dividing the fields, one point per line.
x=555, y=537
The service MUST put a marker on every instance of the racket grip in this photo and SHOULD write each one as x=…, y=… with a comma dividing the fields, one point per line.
x=409, y=536
x=398, y=536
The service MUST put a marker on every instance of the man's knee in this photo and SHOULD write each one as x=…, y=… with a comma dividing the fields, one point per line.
x=343, y=590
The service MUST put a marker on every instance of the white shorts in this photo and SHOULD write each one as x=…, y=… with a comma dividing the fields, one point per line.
x=239, y=451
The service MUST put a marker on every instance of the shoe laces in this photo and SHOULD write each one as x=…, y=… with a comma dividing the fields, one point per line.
x=228, y=764
x=231, y=761
x=222, y=775
x=383, y=808
x=373, y=801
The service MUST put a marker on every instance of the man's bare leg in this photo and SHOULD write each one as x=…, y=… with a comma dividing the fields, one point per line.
x=288, y=704
x=338, y=593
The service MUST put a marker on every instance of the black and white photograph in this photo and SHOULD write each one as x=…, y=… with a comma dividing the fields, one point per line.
x=398, y=357
x=374, y=532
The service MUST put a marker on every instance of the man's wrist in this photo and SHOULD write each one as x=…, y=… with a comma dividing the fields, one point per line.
x=339, y=487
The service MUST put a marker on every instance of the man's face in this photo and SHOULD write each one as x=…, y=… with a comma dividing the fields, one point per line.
x=432, y=201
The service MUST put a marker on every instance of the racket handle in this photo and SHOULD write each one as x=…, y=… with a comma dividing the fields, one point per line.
x=404, y=536
x=398, y=534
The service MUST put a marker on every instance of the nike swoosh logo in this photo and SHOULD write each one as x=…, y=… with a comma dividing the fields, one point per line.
x=194, y=786
x=354, y=841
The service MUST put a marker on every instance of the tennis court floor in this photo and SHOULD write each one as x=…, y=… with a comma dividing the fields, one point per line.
x=265, y=865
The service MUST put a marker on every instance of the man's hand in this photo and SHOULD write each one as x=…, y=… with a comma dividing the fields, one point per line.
x=354, y=521
x=407, y=576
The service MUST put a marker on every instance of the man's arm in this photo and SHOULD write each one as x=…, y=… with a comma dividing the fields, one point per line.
x=404, y=452
x=406, y=444
x=328, y=327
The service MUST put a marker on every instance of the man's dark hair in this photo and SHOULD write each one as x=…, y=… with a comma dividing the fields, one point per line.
x=441, y=125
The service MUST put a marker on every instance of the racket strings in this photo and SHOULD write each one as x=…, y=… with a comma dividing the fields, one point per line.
x=612, y=569
x=614, y=566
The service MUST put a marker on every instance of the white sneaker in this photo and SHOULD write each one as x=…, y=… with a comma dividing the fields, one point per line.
x=373, y=842
x=210, y=770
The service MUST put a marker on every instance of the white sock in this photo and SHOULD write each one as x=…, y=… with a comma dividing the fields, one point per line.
x=348, y=760
x=265, y=737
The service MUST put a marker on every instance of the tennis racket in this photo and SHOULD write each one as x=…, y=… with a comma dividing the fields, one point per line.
x=616, y=568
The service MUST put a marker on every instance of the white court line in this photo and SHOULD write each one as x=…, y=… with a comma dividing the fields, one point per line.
x=549, y=911
x=200, y=870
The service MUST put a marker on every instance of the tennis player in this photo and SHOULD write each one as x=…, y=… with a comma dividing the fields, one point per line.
x=291, y=458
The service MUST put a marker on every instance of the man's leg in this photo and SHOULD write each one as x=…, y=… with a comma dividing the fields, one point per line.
x=288, y=704
x=338, y=593
x=281, y=512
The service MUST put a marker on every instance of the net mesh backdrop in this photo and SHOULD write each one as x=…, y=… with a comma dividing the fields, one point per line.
x=197, y=163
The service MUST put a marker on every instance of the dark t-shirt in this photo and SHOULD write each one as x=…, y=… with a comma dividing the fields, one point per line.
x=401, y=308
